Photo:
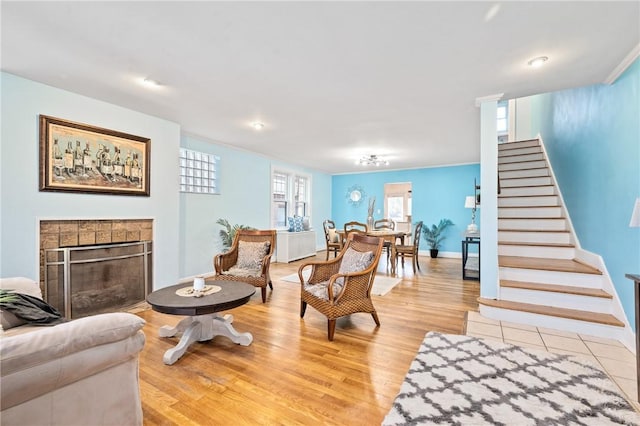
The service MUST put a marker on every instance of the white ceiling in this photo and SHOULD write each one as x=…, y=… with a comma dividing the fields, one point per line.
x=330, y=80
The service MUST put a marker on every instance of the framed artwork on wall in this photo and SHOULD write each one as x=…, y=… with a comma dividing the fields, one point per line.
x=76, y=157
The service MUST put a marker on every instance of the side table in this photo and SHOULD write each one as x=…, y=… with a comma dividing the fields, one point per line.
x=636, y=280
x=466, y=266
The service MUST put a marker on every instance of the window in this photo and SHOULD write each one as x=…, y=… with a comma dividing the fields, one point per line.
x=279, y=201
x=198, y=172
x=290, y=197
x=300, y=195
x=503, y=118
x=397, y=202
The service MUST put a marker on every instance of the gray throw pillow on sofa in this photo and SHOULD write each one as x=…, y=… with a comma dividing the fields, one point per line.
x=9, y=320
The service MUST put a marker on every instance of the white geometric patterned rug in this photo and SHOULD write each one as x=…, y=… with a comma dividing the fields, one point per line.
x=464, y=380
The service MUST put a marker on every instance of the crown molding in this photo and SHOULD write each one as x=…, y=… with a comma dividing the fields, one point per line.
x=622, y=66
x=489, y=98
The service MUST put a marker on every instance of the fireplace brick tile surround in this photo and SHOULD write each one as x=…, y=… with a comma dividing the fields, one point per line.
x=74, y=233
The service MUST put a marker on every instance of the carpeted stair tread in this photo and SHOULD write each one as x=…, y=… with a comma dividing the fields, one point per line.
x=556, y=288
x=540, y=263
x=594, y=317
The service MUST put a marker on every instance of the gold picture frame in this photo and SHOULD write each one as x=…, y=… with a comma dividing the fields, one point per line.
x=76, y=157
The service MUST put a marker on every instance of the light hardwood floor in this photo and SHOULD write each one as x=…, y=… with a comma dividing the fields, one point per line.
x=291, y=373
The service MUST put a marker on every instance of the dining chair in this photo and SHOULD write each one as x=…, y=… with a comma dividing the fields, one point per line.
x=342, y=286
x=248, y=259
x=355, y=226
x=385, y=225
x=332, y=238
x=411, y=250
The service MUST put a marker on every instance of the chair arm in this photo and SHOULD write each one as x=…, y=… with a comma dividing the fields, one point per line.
x=224, y=261
x=356, y=285
x=266, y=262
x=321, y=271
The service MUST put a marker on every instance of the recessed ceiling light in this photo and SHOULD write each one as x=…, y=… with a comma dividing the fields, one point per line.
x=538, y=62
x=150, y=83
x=257, y=125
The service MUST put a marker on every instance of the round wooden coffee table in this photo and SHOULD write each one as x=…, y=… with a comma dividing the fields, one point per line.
x=203, y=322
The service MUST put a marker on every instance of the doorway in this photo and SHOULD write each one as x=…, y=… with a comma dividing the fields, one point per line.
x=397, y=204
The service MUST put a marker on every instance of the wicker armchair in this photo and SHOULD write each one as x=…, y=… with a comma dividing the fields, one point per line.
x=254, y=271
x=335, y=291
x=412, y=249
x=332, y=238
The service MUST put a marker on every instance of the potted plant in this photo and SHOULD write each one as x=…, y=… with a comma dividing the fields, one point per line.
x=229, y=232
x=434, y=235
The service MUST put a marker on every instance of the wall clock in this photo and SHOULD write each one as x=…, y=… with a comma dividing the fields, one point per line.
x=355, y=195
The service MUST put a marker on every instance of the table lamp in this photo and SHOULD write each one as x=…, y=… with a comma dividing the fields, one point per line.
x=470, y=203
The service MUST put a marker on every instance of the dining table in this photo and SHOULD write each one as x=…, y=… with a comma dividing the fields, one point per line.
x=389, y=235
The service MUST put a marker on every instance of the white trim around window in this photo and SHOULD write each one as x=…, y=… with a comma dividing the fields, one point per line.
x=284, y=204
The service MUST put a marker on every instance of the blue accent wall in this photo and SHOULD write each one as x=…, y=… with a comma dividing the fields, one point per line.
x=437, y=193
x=592, y=136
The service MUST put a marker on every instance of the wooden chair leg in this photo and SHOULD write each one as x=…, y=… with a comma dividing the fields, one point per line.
x=327, y=258
x=375, y=318
x=331, y=328
x=303, y=308
x=264, y=294
x=271, y=284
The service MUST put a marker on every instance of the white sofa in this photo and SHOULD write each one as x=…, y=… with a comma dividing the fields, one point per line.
x=81, y=372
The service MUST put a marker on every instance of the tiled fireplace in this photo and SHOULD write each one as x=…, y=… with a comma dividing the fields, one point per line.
x=94, y=266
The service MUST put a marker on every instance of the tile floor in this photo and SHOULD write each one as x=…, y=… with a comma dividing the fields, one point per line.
x=614, y=359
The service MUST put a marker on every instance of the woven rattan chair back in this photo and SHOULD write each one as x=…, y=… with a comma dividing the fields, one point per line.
x=224, y=261
x=355, y=294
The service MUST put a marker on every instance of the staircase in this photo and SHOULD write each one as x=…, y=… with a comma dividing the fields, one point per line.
x=541, y=282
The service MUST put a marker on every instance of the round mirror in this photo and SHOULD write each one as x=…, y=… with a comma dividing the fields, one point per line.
x=355, y=194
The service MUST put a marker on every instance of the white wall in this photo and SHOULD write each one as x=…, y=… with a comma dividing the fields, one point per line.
x=245, y=199
x=489, y=284
x=22, y=205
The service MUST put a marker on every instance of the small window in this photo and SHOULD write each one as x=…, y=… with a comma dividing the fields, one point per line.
x=279, y=202
x=503, y=118
x=198, y=172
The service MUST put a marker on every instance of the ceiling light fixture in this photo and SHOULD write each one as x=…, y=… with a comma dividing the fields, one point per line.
x=257, y=125
x=150, y=83
x=538, y=62
x=372, y=160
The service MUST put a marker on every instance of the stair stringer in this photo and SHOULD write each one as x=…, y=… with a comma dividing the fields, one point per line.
x=628, y=337
x=622, y=334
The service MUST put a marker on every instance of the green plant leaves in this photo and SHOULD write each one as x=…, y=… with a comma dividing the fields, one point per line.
x=434, y=235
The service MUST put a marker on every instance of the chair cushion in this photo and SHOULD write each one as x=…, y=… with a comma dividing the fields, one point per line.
x=354, y=261
x=250, y=254
x=320, y=291
x=241, y=272
x=334, y=237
